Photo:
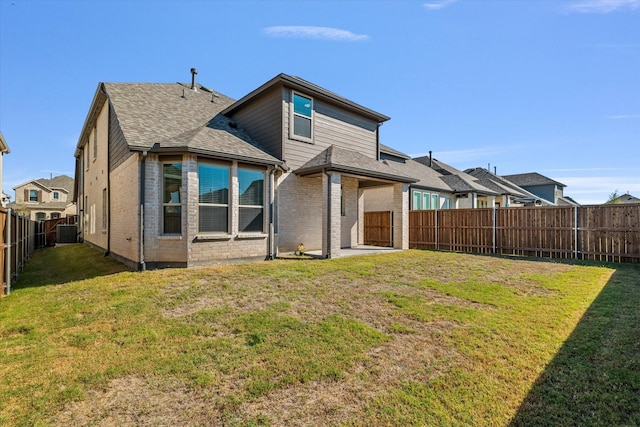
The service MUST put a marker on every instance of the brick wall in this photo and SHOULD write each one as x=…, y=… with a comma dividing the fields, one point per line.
x=299, y=214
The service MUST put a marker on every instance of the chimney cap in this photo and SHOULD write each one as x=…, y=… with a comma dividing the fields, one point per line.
x=194, y=71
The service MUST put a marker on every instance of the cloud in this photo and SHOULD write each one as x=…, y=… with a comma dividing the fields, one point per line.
x=318, y=33
x=603, y=6
x=436, y=5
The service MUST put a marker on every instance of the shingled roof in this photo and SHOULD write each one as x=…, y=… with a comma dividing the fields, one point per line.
x=531, y=179
x=173, y=117
x=348, y=161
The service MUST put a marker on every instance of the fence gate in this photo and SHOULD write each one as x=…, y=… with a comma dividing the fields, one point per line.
x=378, y=228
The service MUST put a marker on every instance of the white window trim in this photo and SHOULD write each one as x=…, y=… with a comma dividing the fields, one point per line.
x=292, y=114
x=203, y=235
x=264, y=200
x=163, y=204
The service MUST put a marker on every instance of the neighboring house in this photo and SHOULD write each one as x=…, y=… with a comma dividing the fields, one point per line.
x=543, y=187
x=625, y=198
x=4, y=149
x=43, y=199
x=510, y=195
x=428, y=192
x=181, y=175
x=467, y=191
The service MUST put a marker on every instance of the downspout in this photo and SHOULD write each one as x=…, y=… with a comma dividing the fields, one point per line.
x=141, y=264
x=328, y=174
x=271, y=212
x=108, y=185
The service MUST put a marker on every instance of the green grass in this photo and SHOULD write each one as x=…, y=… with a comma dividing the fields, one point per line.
x=410, y=338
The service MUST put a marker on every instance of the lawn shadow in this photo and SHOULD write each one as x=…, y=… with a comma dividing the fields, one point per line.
x=63, y=264
x=594, y=379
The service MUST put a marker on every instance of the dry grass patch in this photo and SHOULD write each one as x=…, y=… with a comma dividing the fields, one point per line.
x=410, y=338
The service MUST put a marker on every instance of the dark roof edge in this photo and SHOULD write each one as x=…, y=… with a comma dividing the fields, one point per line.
x=346, y=169
x=101, y=93
x=217, y=154
x=300, y=84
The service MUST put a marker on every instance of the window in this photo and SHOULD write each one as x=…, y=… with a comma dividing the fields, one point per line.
x=251, y=200
x=41, y=216
x=213, y=198
x=171, y=207
x=435, y=203
x=33, y=195
x=95, y=143
x=56, y=195
x=426, y=198
x=417, y=197
x=302, y=117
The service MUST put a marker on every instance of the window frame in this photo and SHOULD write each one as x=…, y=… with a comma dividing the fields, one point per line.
x=228, y=205
x=31, y=192
x=293, y=114
x=263, y=196
x=170, y=203
x=417, y=200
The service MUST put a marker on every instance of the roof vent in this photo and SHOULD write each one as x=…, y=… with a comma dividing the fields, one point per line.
x=193, y=79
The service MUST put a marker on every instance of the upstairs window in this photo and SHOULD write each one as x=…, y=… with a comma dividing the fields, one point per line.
x=213, y=198
x=302, y=117
x=171, y=203
x=33, y=195
x=251, y=200
x=56, y=195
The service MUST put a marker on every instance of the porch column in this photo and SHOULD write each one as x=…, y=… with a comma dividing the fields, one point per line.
x=331, y=230
x=401, y=216
x=360, y=216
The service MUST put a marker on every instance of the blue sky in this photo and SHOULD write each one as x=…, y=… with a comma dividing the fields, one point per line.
x=525, y=86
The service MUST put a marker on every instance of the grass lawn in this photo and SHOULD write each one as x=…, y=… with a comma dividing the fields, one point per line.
x=408, y=338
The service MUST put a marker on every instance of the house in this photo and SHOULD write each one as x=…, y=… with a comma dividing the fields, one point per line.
x=543, y=187
x=429, y=191
x=468, y=192
x=510, y=195
x=182, y=175
x=4, y=149
x=42, y=199
x=625, y=198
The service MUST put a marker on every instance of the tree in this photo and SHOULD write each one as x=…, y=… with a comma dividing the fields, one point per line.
x=613, y=196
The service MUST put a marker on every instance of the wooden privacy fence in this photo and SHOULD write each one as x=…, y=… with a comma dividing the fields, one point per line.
x=602, y=233
x=20, y=236
x=378, y=230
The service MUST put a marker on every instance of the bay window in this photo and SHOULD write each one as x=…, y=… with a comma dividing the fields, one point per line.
x=213, y=198
x=251, y=200
x=171, y=203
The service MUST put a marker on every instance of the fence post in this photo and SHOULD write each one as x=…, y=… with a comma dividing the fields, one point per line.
x=437, y=211
x=575, y=232
x=7, y=261
x=495, y=234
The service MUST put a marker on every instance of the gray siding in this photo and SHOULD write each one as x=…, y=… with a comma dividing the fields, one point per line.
x=262, y=119
x=331, y=126
x=118, y=148
x=546, y=192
